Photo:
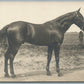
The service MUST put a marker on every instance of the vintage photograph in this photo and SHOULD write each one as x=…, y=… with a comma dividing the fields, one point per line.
x=41, y=41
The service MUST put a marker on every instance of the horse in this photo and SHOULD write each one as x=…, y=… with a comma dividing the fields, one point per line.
x=50, y=34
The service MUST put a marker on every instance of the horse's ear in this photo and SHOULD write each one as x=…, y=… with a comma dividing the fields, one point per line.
x=78, y=10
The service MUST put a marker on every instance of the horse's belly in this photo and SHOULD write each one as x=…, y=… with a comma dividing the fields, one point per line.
x=39, y=40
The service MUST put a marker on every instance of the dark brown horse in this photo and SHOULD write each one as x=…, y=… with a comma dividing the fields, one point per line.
x=49, y=34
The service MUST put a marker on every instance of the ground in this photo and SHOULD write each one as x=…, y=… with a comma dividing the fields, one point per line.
x=30, y=62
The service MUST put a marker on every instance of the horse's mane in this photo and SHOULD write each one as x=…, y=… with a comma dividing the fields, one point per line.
x=67, y=15
x=64, y=16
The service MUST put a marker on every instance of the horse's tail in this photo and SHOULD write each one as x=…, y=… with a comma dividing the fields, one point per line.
x=3, y=35
x=3, y=40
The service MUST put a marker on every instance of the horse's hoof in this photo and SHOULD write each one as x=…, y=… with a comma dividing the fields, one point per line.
x=49, y=73
x=57, y=70
x=6, y=75
x=13, y=75
x=60, y=74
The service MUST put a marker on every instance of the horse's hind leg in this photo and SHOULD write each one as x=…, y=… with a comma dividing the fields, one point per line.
x=13, y=53
x=10, y=54
x=50, y=49
x=11, y=67
x=6, y=67
x=7, y=54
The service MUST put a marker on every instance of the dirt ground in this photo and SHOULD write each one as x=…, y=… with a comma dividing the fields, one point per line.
x=30, y=64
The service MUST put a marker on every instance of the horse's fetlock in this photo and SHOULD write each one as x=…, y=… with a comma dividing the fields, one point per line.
x=47, y=68
x=13, y=75
x=6, y=75
x=48, y=73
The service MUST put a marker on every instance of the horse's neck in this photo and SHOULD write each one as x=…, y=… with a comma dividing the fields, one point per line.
x=65, y=25
x=64, y=22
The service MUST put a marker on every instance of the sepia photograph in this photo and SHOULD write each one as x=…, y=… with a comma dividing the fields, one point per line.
x=41, y=41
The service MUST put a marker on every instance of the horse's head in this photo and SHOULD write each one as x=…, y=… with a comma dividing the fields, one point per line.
x=78, y=19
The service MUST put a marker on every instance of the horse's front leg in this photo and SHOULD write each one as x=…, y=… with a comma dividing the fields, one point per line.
x=56, y=51
x=50, y=49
